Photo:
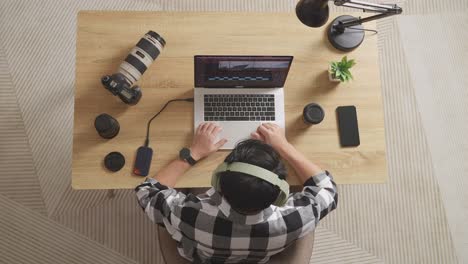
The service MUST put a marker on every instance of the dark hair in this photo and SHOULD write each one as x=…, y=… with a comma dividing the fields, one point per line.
x=248, y=193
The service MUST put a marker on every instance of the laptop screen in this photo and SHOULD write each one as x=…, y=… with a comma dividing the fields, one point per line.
x=241, y=71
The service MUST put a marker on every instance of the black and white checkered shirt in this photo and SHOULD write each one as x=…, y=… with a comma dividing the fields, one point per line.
x=208, y=230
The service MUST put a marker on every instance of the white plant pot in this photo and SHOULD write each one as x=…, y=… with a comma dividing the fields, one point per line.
x=330, y=75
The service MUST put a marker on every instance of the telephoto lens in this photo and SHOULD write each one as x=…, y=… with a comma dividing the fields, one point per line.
x=132, y=68
x=141, y=57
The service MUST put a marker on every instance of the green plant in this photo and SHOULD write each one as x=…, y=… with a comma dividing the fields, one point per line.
x=340, y=69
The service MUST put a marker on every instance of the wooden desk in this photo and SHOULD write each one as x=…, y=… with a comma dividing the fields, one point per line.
x=105, y=38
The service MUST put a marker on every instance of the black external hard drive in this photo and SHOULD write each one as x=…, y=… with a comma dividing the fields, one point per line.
x=143, y=161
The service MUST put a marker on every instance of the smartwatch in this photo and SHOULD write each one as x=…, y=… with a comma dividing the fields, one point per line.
x=185, y=154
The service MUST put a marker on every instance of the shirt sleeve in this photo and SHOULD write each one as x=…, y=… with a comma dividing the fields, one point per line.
x=318, y=198
x=158, y=200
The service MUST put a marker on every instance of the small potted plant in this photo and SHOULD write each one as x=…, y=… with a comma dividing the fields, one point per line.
x=338, y=71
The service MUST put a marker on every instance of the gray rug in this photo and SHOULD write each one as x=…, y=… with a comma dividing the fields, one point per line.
x=402, y=221
x=440, y=43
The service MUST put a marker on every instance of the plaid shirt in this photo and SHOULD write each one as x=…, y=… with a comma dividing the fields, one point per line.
x=208, y=230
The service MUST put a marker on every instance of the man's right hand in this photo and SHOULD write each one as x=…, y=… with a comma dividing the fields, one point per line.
x=271, y=134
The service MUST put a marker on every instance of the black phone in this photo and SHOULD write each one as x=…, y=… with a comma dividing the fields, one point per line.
x=348, y=126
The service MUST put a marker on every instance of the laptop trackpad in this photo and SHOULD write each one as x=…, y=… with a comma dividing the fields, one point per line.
x=237, y=131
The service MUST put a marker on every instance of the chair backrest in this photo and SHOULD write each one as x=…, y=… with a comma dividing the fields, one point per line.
x=168, y=248
x=298, y=253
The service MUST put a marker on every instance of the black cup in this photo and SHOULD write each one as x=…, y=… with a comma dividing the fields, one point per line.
x=106, y=126
x=313, y=114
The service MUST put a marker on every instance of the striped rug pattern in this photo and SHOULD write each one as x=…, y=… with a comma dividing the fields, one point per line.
x=16, y=163
x=30, y=237
x=442, y=96
x=402, y=221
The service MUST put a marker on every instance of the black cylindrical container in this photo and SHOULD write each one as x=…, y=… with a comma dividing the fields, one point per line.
x=106, y=126
x=313, y=114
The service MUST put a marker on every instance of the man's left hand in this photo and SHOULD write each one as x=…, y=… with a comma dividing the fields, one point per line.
x=204, y=141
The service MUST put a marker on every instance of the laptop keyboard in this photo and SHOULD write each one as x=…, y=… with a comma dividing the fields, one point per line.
x=239, y=107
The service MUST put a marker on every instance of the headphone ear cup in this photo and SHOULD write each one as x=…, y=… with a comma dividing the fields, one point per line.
x=215, y=181
x=281, y=200
x=215, y=176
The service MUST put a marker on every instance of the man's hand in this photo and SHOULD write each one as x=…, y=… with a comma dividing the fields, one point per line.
x=204, y=140
x=271, y=134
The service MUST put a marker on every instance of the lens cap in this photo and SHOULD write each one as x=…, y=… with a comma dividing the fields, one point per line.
x=313, y=114
x=114, y=161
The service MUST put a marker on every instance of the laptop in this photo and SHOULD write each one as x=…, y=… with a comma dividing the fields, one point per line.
x=239, y=93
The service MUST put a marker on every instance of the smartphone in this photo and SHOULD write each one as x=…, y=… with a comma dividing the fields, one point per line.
x=348, y=126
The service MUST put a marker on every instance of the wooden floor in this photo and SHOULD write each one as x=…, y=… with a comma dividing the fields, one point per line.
x=43, y=220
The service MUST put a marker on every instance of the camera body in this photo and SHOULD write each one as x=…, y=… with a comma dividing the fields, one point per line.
x=132, y=68
x=117, y=85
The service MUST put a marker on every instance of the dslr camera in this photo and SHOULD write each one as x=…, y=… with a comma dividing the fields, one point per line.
x=132, y=68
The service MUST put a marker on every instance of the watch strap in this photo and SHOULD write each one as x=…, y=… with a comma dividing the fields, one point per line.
x=185, y=154
x=190, y=160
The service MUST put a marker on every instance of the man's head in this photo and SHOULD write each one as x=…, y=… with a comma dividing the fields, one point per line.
x=248, y=193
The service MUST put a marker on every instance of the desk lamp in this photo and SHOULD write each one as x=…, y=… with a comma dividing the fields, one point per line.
x=345, y=33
